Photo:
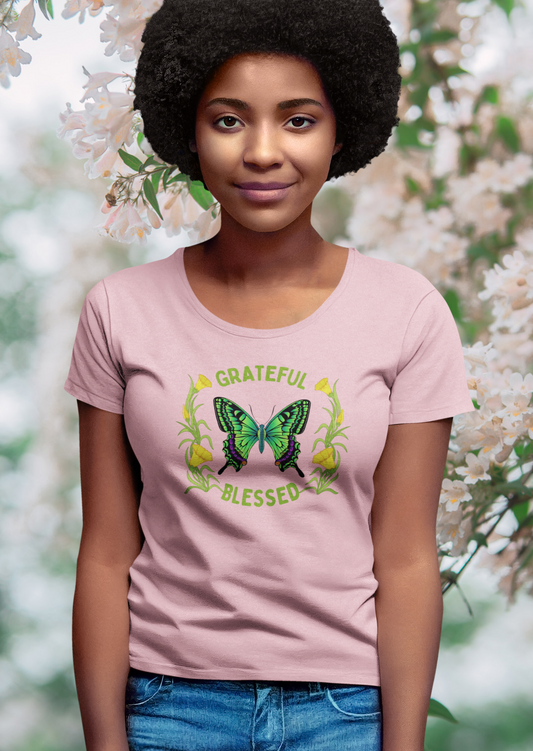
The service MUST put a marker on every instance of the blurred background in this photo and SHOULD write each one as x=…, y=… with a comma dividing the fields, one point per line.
x=450, y=197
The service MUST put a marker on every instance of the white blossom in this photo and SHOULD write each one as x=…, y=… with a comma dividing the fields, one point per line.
x=475, y=470
x=179, y=211
x=23, y=26
x=11, y=57
x=96, y=81
x=204, y=227
x=453, y=493
x=73, y=7
x=125, y=224
x=72, y=120
x=123, y=37
x=111, y=116
x=452, y=528
x=154, y=219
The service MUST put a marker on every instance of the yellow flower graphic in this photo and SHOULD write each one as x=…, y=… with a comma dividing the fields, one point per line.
x=323, y=385
x=199, y=455
x=325, y=458
x=203, y=383
x=340, y=418
x=185, y=413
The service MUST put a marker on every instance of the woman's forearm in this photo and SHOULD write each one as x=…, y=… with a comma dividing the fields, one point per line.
x=100, y=649
x=409, y=616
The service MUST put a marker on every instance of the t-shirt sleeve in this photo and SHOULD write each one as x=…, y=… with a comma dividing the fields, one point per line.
x=95, y=374
x=431, y=381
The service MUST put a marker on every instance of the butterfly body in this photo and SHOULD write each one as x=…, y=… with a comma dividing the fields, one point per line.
x=243, y=432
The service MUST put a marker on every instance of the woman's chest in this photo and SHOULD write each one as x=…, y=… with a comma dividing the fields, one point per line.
x=281, y=410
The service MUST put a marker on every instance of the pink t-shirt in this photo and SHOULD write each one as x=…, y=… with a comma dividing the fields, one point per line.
x=258, y=449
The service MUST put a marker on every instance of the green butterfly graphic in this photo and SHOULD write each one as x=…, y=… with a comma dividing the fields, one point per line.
x=244, y=432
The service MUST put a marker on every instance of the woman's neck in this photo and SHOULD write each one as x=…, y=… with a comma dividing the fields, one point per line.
x=240, y=256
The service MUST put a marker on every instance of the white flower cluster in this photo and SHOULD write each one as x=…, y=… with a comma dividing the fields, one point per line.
x=123, y=26
x=102, y=128
x=12, y=56
x=390, y=223
x=475, y=198
x=109, y=123
x=504, y=417
x=511, y=287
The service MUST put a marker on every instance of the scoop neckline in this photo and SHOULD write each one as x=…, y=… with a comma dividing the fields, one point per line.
x=252, y=333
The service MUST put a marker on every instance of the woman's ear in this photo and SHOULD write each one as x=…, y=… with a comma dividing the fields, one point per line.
x=192, y=146
x=338, y=147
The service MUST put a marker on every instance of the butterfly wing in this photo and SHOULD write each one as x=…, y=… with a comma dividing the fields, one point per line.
x=242, y=430
x=280, y=431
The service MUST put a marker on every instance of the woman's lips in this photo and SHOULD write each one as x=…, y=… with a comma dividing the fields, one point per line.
x=263, y=194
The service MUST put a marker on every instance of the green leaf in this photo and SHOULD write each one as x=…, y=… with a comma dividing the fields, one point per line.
x=520, y=511
x=407, y=136
x=419, y=96
x=454, y=303
x=455, y=70
x=438, y=36
x=412, y=186
x=156, y=176
x=481, y=539
x=528, y=521
x=506, y=5
x=436, y=709
x=490, y=94
x=179, y=179
x=202, y=196
x=43, y=5
x=140, y=137
x=132, y=161
x=50, y=8
x=506, y=131
x=516, y=486
x=150, y=160
x=150, y=194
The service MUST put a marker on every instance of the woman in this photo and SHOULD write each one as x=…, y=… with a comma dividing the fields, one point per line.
x=264, y=417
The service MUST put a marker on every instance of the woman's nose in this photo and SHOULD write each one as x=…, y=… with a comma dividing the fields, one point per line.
x=263, y=147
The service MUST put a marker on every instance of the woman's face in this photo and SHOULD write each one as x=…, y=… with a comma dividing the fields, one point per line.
x=265, y=135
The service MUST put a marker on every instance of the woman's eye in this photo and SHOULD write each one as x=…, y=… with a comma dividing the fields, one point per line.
x=227, y=122
x=299, y=120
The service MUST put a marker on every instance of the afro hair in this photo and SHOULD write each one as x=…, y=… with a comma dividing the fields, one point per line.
x=349, y=42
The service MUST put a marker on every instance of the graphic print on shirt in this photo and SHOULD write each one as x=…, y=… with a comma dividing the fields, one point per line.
x=330, y=457
x=244, y=432
x=197, y=455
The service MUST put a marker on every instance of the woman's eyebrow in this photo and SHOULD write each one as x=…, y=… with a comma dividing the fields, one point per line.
x=238, y=104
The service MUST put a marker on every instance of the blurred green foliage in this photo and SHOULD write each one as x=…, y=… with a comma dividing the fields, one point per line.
x=496, y=727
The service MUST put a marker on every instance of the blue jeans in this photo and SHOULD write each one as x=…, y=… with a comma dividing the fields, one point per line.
x=183, y=714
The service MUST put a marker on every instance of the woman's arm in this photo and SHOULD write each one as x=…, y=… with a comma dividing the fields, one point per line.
x=407, y=484
x=110, y=542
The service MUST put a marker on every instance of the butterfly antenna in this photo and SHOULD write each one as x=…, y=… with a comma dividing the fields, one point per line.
x=273, y=410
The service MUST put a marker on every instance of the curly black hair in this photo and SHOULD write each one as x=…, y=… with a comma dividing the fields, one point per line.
x=349, y=42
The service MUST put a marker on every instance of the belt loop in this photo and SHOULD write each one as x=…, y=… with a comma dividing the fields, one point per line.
x=315, y=688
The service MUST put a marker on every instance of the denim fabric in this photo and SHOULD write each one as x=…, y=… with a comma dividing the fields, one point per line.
x=181, y=714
